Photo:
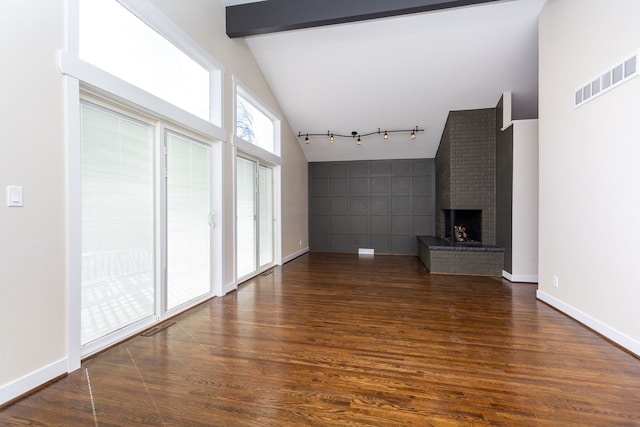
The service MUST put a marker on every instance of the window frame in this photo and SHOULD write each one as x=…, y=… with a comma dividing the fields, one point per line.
x=81, y=78
x=99, y=80
x=103, y=103
x=277, y=214
x=161, y=310
x=246, y=146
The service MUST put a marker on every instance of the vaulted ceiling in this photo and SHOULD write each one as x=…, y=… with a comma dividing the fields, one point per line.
x=398, y=73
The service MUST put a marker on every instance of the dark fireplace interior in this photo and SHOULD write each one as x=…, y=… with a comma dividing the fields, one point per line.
x=465, y=225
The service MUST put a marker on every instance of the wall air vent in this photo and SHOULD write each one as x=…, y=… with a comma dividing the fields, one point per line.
x=621, y=72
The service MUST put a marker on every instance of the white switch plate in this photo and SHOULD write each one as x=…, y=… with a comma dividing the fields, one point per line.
x=14, y=195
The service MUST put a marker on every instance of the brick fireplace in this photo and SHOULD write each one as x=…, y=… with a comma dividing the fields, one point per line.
x=465, y=197
x=466, y=169
x=463, y=226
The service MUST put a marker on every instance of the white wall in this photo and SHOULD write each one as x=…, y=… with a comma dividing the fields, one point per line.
x=524, y=261
x=32, y=154
x=589, y=172
x=33, y=277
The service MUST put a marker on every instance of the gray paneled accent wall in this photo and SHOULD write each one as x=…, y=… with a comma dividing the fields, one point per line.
x=379, y=204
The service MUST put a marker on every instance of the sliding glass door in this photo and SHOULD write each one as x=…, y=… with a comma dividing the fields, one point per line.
x=188, y=219
x=265, y=217
x=255, y=218
x=144, y=253
x=246, y=210
x=118, y=222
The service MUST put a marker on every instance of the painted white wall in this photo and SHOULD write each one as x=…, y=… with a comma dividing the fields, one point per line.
x=524, y=259
x=589, y=170
x=32, y=154
x=33, y=276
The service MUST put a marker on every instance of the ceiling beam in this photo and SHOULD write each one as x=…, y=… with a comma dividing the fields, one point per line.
x=271, y=16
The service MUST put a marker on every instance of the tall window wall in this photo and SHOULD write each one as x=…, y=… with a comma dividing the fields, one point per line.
x=257, y=141
x=146, y=103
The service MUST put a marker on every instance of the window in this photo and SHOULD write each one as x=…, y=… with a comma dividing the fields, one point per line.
x=145, y=153
x=257, y=192
x=255, y=228
x=188, y=219
x=115, y=40
x=121, y=209
x=246, y=219
x=253, y=125
x=265, y=215
x=257, y=131
x=156, y=65
x=118, y=245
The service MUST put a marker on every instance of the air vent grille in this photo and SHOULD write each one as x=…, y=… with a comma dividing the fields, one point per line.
x=607, y=80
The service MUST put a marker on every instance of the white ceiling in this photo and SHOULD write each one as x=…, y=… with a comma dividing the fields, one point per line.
x=400, y=72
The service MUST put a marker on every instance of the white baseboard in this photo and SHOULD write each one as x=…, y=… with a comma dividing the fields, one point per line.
x=229, y=287
x=519, y=278
x=295, y=255
x=25, y=384
x=614, y=335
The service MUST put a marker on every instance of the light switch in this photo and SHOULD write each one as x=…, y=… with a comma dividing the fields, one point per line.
x=14, y=195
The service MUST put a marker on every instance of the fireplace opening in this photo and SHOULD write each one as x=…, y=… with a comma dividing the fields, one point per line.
x=463, y=226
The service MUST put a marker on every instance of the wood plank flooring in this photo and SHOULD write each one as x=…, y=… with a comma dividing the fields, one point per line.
x=334, y=339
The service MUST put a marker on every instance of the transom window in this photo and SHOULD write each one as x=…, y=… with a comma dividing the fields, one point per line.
x=254, y=124
x=115, y=40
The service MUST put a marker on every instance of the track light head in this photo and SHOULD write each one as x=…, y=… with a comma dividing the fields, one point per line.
x=413, y=133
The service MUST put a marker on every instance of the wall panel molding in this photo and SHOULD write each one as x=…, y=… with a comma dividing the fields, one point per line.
x=379, y=204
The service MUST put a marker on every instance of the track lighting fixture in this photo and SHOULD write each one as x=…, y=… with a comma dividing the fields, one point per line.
x=385, y=134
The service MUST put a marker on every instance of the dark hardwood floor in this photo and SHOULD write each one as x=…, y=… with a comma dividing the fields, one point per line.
x=334, y=339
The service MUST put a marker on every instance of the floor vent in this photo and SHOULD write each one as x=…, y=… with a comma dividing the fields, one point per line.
x=268, y=272
x=151, y=332
x=621, y=72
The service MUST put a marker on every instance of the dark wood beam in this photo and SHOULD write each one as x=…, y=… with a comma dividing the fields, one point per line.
x=282, y=15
